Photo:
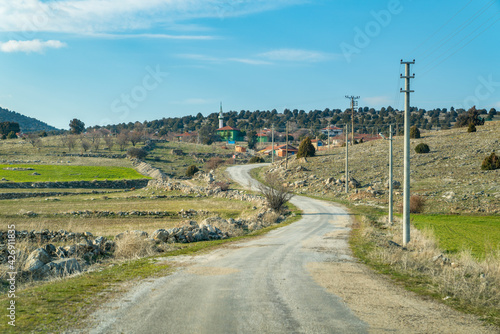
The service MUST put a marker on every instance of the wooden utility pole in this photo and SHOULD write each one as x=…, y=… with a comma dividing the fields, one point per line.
x=272, y=142
x=346, y=159
x=406, y=191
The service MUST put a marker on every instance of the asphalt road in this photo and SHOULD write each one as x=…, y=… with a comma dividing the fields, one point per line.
x=257, y=286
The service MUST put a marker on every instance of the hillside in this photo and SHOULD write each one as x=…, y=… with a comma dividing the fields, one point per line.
x=27, y=124
x=449, y=178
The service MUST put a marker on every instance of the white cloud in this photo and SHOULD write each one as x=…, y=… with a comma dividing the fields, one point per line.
x=30, y=46
x=86, y=16
x=377, y=100
x=204, y=58
x=297, y=55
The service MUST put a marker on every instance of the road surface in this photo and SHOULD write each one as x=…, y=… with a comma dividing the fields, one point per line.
x=296, y=279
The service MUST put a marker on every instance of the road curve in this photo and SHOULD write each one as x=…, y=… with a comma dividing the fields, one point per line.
x=257, y=286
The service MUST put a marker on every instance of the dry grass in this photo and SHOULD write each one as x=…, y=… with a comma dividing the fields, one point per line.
x=464, y=281
x=131, y=246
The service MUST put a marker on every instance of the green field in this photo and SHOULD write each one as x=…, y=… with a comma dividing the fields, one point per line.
x=67, y=173
x=479, y=234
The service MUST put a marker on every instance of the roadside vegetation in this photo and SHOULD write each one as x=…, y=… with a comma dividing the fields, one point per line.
x=66, y=303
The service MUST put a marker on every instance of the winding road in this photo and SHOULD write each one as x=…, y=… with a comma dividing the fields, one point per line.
x=295, y=279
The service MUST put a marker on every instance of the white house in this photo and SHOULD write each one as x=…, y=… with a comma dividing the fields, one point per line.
x=332, y=131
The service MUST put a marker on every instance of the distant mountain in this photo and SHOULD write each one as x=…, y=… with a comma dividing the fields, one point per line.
x=27, y=124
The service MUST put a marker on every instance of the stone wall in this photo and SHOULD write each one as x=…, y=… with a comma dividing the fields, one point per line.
x=118, y=184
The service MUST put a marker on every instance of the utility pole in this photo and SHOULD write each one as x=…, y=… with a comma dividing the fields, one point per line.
x=354, y=103
x=406, y=191
x=272, y=141
x=346, y=159
x=390, y=171
x=286, y=147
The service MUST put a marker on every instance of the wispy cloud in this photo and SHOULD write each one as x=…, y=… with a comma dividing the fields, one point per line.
x=377, y=100
x=205, y=58
x=30, y=46
x=297, y=55
x=152, y=36
x=86, y=16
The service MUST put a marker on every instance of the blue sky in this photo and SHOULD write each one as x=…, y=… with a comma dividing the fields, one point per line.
x=113, y=61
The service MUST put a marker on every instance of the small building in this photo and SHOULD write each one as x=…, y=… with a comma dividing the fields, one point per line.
x=332, y=131
x=240, y=149
x=317, y=144
x=282, y=150
x=262, y=137
x=229, y=134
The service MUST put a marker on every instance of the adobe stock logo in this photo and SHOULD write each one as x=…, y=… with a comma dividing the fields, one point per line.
x=129, y=101
x=372, y=29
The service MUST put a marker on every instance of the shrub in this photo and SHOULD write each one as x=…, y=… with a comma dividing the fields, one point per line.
x=422, y=148
x=491, y=162
x=275, y=193
x=214, y=162
x=12, y=135
x=472, y=128
x=306, y=148
x=472, y=116
x=255, y=160
x=136, y=153
x=224, y=186
x=414, y=132
x=417, y=204
x=133, y=246
x=191, y=170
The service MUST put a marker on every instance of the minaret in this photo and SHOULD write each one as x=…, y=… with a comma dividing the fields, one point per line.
x=221, y=118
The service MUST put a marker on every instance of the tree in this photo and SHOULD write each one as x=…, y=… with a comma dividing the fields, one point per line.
x=191, y=170
x=33, y=139
x=12, y=135
x=491, y=162
x=7, y=127
x=252, y=139
x=472, y=116
x=275, y=193
x=207, y=135
x=109, y=142
x=472, y=128
x=137, y=153
x=85, y=144
x=122, y=139
x=414, y=132
x=76, y=126
x=134, y=137
x=306, y=148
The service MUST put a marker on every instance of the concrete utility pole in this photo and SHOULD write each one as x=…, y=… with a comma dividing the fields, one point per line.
x=406, y=191
x=391, y=201
x=354, y=103
x=286, y=148
x=346, y=159
x=272, y=141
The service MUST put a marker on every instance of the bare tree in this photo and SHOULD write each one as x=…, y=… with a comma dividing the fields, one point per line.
x=85, y=145
x=109, y=142
x=95, y=137
x=122, y=139
x=34, y=140
x=135, y=137
x=275, y=193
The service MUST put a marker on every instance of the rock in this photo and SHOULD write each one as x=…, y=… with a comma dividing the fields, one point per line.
x=36, y=267
x=160, y=235
x=395, y=184
x=88, y=234
x=138, y=233
x=39, y=254
x=50, y=249
x=65, y=266
x=441, y=259
x=449, y=195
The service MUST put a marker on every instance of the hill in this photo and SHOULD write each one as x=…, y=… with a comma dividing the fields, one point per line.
x=27, y=124
x=449, y=178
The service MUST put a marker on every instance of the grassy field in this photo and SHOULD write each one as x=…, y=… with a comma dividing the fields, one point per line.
x=66, y=303
x=66, y=173
x=138, y=200
x=479, y=234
